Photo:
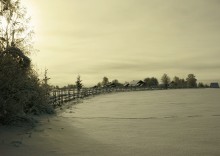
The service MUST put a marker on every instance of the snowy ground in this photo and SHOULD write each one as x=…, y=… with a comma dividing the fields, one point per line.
x=146, y=123
x=173, y=122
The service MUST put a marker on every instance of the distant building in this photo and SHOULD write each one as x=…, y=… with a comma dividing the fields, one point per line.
x=126, y=84
x=136, y=83
x=172, y=84
x=111, y=85
x=214, y=85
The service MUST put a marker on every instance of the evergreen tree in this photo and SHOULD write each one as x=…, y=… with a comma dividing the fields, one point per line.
x=79, y=85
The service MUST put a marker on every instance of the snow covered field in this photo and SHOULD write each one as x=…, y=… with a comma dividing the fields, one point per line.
x=167, y=122
x=144, y=123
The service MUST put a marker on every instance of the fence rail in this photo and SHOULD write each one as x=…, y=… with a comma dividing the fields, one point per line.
x=60, y=96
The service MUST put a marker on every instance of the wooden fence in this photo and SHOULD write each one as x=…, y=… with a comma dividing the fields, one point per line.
x=60, y=96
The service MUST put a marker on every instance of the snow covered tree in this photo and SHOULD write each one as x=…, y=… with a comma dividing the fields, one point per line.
x=15, y=30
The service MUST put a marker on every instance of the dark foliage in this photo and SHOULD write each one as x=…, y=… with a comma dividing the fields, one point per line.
x=79, y=85
x=151, y=82
x=21, y=91
x=166, y=80
x=191, y=81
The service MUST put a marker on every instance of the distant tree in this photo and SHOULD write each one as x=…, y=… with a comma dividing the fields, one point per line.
x=55, y=87
x=191, y=81
x=151, y=82
x=176, y=82
x=45, y=84
x=147, y=82
x=154, y=82
x=165, y=80
x=79, y=85
x=207, y=86
x=99, y=84
x=71, y=86
x=201, y=85
x=116, y=83
x=64, y=87
x=105, y=81
x=182, y=83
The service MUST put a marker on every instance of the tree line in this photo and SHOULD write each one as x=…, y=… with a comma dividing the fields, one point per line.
x=176, y=82
x=149, y=82
x=152, y=82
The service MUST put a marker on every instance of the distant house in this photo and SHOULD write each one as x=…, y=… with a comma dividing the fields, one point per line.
x=111, y=85
x=137, y=83
x=126, y=84
x=106, y=85
x=172, y=84
x=214, y=85
x=95, y=86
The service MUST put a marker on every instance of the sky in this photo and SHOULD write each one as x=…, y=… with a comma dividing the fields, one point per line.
x=125, y=39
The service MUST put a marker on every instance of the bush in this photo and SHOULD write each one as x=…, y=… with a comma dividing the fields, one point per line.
x=21, y=92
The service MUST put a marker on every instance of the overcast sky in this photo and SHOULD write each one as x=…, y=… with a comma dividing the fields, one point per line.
x=126, y=39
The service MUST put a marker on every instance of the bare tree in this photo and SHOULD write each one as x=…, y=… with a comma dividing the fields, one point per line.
x=166, y=80
x=14, y=30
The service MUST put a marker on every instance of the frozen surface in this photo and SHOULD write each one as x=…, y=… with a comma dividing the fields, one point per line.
x=167, y=122
x=147, y=123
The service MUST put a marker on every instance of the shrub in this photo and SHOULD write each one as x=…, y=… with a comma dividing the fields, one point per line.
x=21, y=92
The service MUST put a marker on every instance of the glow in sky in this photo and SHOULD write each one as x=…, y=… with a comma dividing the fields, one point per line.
x=126, y=39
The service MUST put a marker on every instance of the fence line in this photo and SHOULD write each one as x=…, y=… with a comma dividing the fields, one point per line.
x=60, y=96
